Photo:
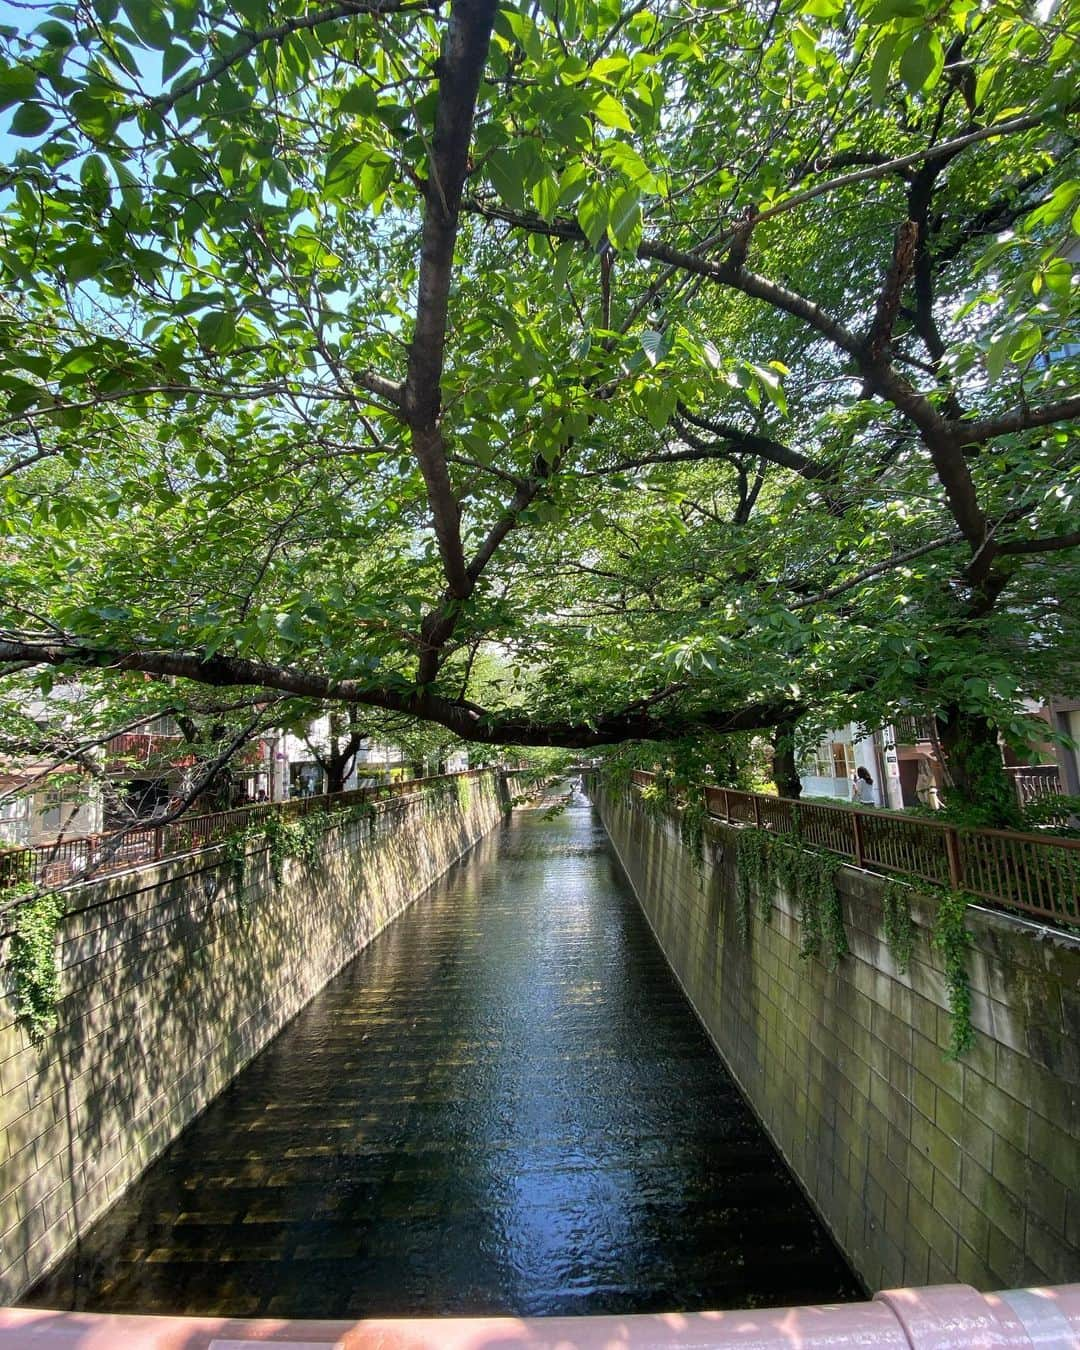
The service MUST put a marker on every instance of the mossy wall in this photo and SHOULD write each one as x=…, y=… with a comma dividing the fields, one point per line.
x=926, y=1170
x=172, y=978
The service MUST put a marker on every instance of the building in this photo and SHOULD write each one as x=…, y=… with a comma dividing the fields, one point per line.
x=908, y=768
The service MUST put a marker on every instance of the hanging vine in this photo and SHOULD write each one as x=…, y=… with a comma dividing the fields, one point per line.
x=751, y=869
x=897, y=923
x=766, y=861
x=33, y=963
x=283, y=839
x=692, y=825
x=952, y=939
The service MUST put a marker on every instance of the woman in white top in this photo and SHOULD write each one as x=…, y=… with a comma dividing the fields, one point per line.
x=862, y=787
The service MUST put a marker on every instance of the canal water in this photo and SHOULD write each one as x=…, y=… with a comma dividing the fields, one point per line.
x=504, y=1105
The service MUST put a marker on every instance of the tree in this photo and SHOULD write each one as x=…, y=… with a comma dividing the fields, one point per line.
x=710, y=366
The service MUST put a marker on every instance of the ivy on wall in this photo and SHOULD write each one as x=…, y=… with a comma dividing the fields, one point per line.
x=33, y=963
x=896, y=919
x=284, y=839
x=766, y=862
x=952, y=939
x=32, y=959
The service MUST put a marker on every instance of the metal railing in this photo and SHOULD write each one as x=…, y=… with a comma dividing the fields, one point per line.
x=1033, y=782
x=63, y=861
x=1036, y=873
x=912, y=730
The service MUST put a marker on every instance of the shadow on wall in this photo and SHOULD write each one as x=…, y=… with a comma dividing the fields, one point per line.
x=171, y=987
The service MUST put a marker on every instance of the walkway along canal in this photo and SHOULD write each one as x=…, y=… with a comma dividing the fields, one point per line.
x=503, y=1104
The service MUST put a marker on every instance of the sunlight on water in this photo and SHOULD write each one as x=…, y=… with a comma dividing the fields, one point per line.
x=504, y=1104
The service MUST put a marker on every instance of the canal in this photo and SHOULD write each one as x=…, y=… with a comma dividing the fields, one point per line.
x=503, y=1105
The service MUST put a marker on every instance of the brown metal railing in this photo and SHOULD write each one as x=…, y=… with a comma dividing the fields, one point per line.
x=65, y=861
x=1036, y=873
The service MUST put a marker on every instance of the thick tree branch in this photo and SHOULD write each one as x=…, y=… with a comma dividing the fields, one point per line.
x=1051, y=543
x=733, y=439
x=464, y=719
x=461, y=65
x=1020, y=419
x=892, y=291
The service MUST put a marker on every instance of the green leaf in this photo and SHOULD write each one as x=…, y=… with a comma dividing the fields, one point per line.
x=545, y=196
x=31, y=119
x=175, y=58
x=660, y=402
x=612, y=113
x=887, y=10
x=55, y=34
x=148, y=20
x=624, y=221
x=997, y=354
x=880, y=69
x=592, y=213
x=343, y=169
x=96, y=117
x=921, y=62
x=17, y=84
x=805, y=46
x=505, y=171
x=82, y=261
x=609, y=66
x=217, y=330
x=654, y=345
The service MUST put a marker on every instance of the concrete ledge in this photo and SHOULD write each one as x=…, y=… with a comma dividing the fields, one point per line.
x=936, y=1318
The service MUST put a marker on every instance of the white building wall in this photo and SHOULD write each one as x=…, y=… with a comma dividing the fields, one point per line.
x=818, y=772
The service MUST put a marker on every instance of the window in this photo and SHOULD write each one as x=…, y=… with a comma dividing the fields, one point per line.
x=818, y=762
x=843, y=759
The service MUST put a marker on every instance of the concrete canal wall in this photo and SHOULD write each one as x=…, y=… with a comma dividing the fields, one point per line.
x=926, y=1170
x=172, y=978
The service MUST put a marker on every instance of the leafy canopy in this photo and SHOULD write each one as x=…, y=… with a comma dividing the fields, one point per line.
x=559, y=373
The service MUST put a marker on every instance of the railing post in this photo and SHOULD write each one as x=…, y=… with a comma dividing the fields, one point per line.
x=727, y=805
x=158, y=833
x=858, y=840
x=757, y=811
x=952, y=848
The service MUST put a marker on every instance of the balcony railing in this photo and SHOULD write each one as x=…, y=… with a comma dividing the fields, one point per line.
x=912, y=730
x=1034, y=782
x=1036, y=873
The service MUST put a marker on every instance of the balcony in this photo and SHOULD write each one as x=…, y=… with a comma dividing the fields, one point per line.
x=913, y=730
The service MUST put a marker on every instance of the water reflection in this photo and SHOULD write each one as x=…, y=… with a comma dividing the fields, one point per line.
x=504, y=1105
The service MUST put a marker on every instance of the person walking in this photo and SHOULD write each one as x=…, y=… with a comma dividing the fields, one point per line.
x=862, y=787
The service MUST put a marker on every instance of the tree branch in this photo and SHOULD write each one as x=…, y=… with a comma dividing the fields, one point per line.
x=464, y=719
x=1021, y=419
x=461, y=65
x=277, y=33
x=1048, y=544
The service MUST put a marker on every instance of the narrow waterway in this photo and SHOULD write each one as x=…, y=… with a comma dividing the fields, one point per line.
x=505, y=1104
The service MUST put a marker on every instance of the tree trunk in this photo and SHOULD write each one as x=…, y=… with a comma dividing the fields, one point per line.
x=336, y=768
x=978, y=790
x=784, y=769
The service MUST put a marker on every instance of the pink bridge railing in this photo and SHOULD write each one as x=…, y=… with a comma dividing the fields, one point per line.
x=1036, y=873
x=939, y=1317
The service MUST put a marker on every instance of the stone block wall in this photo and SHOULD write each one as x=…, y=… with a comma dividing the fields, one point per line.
x=173, y=977
x=926, y=1170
